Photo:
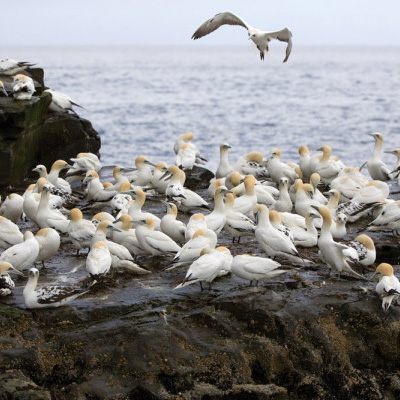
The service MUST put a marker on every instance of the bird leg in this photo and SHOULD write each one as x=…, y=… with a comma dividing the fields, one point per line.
x=43, y=266
x=201, y=286
x=77, y=253
x=233, y=240
x=251, y=283
x=209, y=286
x=239, y=239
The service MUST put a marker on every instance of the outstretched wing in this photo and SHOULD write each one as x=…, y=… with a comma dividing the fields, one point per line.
x=225, y=18
x=284, y=36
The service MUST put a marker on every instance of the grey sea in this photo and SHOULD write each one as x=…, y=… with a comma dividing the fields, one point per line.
x=141, y=98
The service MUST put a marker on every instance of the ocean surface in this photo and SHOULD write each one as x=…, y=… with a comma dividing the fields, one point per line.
x=141, y=98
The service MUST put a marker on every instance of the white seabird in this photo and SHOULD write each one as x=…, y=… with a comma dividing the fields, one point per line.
x=304, y=163
x=6, y=283
x=142, y=175
x=326, y=167
x=158, y=184
x=277, y=169
x=388, y=219
x=376, y=167
x=126, y=236
x=12, y=207
x=171, y=226
x=224, y=168
x=246, y=203
x=253, y=268
x=365, y=248
x=186, y=157
x=22, y=255
x=196, y=222
x=9, y=233
x=315, y=179
x=53, y=176
x=80, y=231
x=8, y=66
x=61, y=102
x=251, y=164
x=217, y=218
x=49, y=243
x=284, y=203
x=388, y=287
x=23, y=87
x=135, y=210
x=308, y=237
x=338, y=228
x=205, y=269
x=48, y=296
x=260, y=38
x=2, y=89
x=98, y=261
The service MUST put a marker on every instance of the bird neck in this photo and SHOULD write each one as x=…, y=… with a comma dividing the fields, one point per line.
x=219, y=203
x=333, y=203
x=30, y=286
x=377, y=148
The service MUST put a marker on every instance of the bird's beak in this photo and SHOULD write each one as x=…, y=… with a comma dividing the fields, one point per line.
x=4, y=91
x=15, y=271
x=167, y=175
x=372, y=276
x=115, y=229
x=320, y=149
x=150, y=163
x=391, y=152
x=315, y=208
x=371, y=134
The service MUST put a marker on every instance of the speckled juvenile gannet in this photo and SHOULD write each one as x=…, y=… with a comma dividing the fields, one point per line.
x=154, y=242
x=8, y=66
x=251, y=164
x=365, y=248
x=196, y=222
x=277, y=169
x=80, y=231
x=224, y=168
x=23, y=87
x=12, y=207
x=335, y=255
x=388, y=287
x=53, y=176
x=172, y=227
x=60, y=102
x=376, y=167
x=9, y=233
x=22, y=255
x=120, y=200
x=98, y=261
x=6, y=283
x=237, y=224
x=48, y=296
x=2, y=89
x=260, y=38
x=255, y=269
x=49, y=243
x=204, y=269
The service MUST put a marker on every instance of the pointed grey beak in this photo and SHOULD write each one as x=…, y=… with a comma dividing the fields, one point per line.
x=150, y=163
x=15, y=271
x=391, y=152
x=4, y=91
x=372, y=276
x=166, y=176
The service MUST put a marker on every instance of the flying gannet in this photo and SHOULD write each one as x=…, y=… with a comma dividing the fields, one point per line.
x=260, y=38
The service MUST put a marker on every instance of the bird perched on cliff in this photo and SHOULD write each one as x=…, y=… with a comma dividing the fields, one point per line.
x=224, y=168
x=6, y=283
x=98, y=261
x=48, y=296
x=61, y=102
x=12, y=207
x=23, y=87
x=388, y=287
x=80, y=231
x=365, y=248
x=9, y=66
x=376, y=167
x=2, y=89
x=260, y=38
x=9, y=233
x=49, y=243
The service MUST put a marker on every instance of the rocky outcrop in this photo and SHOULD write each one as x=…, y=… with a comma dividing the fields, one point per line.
x=30, y=134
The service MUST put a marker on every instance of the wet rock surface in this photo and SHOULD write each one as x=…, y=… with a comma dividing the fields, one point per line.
x=30, y=134
x=301, y=335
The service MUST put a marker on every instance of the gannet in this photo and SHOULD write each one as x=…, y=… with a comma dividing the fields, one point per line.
x=388, y=287
x=308, y=237
x=81, y=164
x=182, y=139
x=96, y=193
x=246, y=203
x=6, y=283
x=186, y=156
x=232, y=180
x=228, y=258
x=335, y=255
x=354, y=173
x=278, y=169
x=277, y=222
x=121, y=199
x=98, y=261
x=376, y=167
x=388, y=219
x=314, y=182
x=50, y=218
x=338, y=228
x=49, y=243
x=305, y=163
x=2, y=90
x=217, y=218
x=284, y=203
x=365, y=248
x=265, y=194
x=260, y=38
x=22, y=255
x=9, y=233
x=305, y=199
x=251, y=164
x=80, y=231
x=119, y=178
x=224, y=168
x=12, y=207
x=154, y=242
x=191, y=250
x=126, y=236
x=237, y=224
x=213, y=187
x=158, y=184
x=298, y=183
x=205, y=269
x=102, y=216
x=135, y=210
x=348, y=187
x=196, y=222
x=8, y=66
x=326, y=167
x=60, y=102
x=397, y=154
x=48, y=296
x=23, y=87
x=172, y=227
x=253, y=268
x=333, y=201
x=55, y=201
x=142, y=175
x=273, y=242
x=53, y=176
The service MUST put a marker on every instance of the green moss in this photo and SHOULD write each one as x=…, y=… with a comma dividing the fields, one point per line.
x=12, y=312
